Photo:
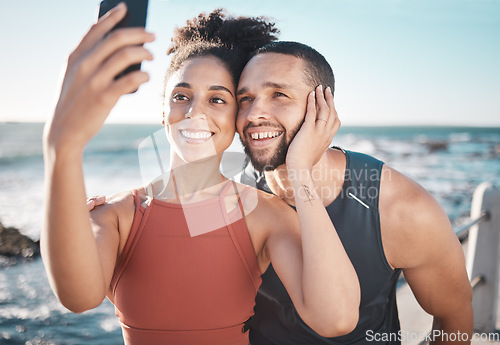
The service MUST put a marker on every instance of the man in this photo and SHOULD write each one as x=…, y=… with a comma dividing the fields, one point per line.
x=387, y=222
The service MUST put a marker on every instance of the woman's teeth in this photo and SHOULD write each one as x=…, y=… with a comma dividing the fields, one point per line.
x=196, y=135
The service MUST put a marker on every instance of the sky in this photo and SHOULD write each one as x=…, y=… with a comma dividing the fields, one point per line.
x=396, y=62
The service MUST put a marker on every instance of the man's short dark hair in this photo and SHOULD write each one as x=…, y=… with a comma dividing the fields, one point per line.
x=318, y=70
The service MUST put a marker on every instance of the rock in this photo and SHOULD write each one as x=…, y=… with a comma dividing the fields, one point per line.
x=14, y=244
x=436, y=145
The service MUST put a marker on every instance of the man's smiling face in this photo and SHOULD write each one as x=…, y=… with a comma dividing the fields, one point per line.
x=272, y=97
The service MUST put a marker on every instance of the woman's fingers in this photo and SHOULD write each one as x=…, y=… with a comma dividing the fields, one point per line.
x=118, y=40
x=331, y=105
x=333, y=116
x=121, y=60
x=128, y=83
x=327, y=121
x=310, y=109
x=322, y=105
x=99, y=30
x=322, y=108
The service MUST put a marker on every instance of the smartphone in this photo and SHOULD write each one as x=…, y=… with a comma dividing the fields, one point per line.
x=136, y=17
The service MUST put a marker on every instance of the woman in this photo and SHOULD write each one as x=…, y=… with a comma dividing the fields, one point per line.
x=173, y=278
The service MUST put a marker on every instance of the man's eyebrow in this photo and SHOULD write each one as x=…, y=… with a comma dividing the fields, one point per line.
x=219, y=88
x=241, y=91
x=266, y=85
x=272, y=85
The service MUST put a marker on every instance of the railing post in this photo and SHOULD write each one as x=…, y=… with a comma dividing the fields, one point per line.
x=484, y=255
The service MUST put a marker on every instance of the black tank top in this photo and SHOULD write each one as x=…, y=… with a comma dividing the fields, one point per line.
x=355, y=216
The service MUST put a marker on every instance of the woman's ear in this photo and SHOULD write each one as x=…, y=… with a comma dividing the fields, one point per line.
x=163, y=120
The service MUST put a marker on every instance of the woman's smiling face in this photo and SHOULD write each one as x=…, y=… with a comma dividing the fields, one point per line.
x=200, y=109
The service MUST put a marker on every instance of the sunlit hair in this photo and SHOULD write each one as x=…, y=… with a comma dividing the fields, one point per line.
x=318, y=70
x=229, y=39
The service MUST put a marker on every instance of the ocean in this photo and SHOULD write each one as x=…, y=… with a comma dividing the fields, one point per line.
x=448, y=161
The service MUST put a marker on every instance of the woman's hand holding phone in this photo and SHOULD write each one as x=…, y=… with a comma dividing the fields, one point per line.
x=90, y=88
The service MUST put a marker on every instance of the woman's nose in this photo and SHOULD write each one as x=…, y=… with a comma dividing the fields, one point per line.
x=196, y=109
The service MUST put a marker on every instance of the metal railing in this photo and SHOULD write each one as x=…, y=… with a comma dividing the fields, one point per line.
x=483, y=255
x=462, y=231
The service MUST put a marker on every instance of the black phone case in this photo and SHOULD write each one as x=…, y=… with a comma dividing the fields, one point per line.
x=136, y=17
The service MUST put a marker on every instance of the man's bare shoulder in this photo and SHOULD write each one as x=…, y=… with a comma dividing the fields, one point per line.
x=401, y=197
x=412, y=222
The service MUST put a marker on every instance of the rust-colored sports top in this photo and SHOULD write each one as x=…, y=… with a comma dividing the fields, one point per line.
x=170, y=287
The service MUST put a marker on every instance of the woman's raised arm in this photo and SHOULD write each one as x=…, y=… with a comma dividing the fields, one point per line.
x=75, y=259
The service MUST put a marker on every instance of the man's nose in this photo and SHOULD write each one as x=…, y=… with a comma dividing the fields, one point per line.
x=257, y=111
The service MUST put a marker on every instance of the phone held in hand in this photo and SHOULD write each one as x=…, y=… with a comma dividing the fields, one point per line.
x=136, y=17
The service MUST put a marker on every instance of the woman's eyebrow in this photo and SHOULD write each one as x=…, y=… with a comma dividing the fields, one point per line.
x=183, y=84
x=220, y=88
x=211, y=88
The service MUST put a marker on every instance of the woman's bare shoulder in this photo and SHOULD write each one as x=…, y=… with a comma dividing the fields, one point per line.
x=120, y=205
x=264, y=205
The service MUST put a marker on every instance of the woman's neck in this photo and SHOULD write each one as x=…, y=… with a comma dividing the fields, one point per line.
x=193, y=181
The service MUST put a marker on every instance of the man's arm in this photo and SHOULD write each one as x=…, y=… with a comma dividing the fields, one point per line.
x=418, y=238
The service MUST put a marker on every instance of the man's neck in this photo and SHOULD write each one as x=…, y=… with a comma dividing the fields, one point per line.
x=327, y=174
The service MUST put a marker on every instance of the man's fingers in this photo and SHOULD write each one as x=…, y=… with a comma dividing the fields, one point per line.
x=90, y=204
x=95, y=201
x=99, y=30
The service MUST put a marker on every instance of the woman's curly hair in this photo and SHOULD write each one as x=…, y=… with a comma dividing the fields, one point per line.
x=230, y=39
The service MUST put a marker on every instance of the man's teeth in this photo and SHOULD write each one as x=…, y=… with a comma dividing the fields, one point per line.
x=264, y=135
x=196, y=135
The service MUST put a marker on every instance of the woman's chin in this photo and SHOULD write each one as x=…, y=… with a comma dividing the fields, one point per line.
x=198, y=157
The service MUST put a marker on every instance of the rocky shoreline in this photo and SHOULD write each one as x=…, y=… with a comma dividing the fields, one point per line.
x=14, y=246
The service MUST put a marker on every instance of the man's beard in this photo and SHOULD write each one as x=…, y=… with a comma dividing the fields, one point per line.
x=279, y=156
